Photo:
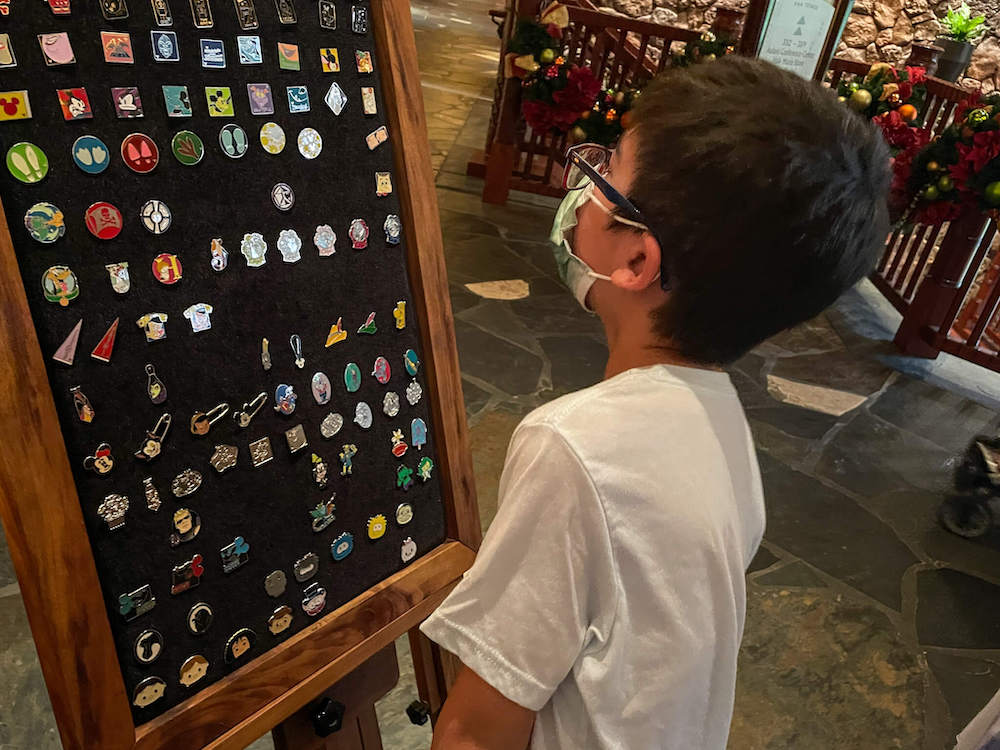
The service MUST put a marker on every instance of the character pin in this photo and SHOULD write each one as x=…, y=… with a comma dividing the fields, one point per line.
x=235, y=554
x=413, y=393
x=377, y=137
x=177, y=101
x=167, y=268
x=383, y=184
x=306, y=567
x=224, y=458
x=187, y=575
x=220, y=256
x=408, y=550
x=272, y=137
x=26, y=161
x=66, y=352
x=153, y=443
x=328, y=18
x=254, y=249
x=148, y=691
x=239, y=643
x=265, y=354
x=260, y=452
x=418, y=433
x=200, y=316
x=186, y=483
x=101, y=462
x=325, y=240
x=127, y=101
x=390, y=404
x=363, y=415
x=187, y=524
x=321, y=388
x=424, y=469
x=161, y=13
x=75, y=104
x=213, y=54
x=313, y=599
x=152, y=494
x=193, y=670
x=288, y=56
x=341, y=546
x=118, y=275
x=336, y=334
x=404, y=513
x=15, y=105
x=329, y=57
x=286, y=12
x=102, y=352
x=323, y=514
x=201, y=10
x=187, y=147
x=220, y=101
x=114, y=10
x=56, y=49
x=309, y=141
x=320, y=471
x=280, y=620
x=282, y=196
x=250, y=409
x=155, y=388
x=103, y=220
x=399, y=315
x=246, y=16
x=91, y=154
x=84, y=411
x=249, y=49
x=112, y=509
x=352, y=377
x=347, y=453
x=393, y=229
x=359, y=19
x=284, y=399
x=376, y=527
x=368, y=105
x=154, y=325
x=298, y=103
x=358, y=234
x=148, y=646
x=139, y=152
x=274, y=583
x=404, y=478
x=136, y=603
x=199, y=618
x=289, y=245
x=369, y=327
x=201, y=422
x=233, y=141
x=7, y=59
x=331, y=425
x=45, y=223
x=363, y=58
x=155, y=216
x=381, y=371
x=296, y=438
x=335, y=98
x=117, y=46
x=399, y=446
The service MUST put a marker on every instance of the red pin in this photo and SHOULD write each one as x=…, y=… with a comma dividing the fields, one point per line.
x=140, y=153
x=106, y=345
x=104, y=220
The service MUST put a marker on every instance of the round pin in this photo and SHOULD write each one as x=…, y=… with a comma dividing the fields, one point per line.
x=148, y=646
x=59, y=284
x=282, y=196
x=382, y=371
x=193, y=670
x=91, y=154
x=272, y=138
x=408, y=551
x=411, y=362
x=155, y=216
x=199, y=618
x=341, y=546
x=363, y=415
x=274, y=583
x=239, y=644
x=321, y=388
x=233, y=141
x=27, y=162
x=45, y=223
x=167, y=268
x=103, y=220
x=187, y=147
x=352, y=377
x=331, y=425
x=404, y=514
x=390, y=404
x=310, y=143
x=140, y=153
x=376, y=527
x=148, y=691
x=187, y=525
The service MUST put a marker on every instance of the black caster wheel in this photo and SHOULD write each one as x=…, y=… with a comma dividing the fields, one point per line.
x=419, y=712
x=328, y=717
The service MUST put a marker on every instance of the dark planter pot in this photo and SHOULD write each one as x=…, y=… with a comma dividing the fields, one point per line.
x=955, y=58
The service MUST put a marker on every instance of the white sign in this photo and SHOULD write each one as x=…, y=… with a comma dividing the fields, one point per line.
x=795, y=34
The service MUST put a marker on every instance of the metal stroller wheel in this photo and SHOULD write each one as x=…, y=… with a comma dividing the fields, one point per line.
x=967, y=518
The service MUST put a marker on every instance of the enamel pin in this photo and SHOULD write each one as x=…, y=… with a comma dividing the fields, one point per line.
x=377, y=526
x=187, y=575
x=408, y=550
x=7, y=59
x=128, y=103
x=369, y=326
x=347, y=454
x=272, y=136
x=59, y=285
x=140, y=153
x=286, y=12
x=298, y=103
x=75, y=104
x=201, y=422
x=101, y=462
x=154, y=325
x=118, y=275
x=418, y=433
x=288, y=56
x=393, y=229
x=313, y=599
x=331, y=425
x=148, y=691
x=220, y=256
x=265, y=354
x=280, y=620
x=382, y=372
x=358, y=234
x=155, y=216
x=112, y=510
x=359, y=19
x=306, y=567
x=404, y=513
x=193, y=670
x=187, y=524
x=186, y=483
x=117, y=47
x=114, y=10
x=325, y=240
x=153, y=443
x=310, y=143
x=260, y=452
x=424, y=469
x=368, y=104
x=341, y=546
x=224, y=458
x=66, y=352
x=284, y=399
x=103, y=220
x=136, y=603
x=274, y=583
x=249, y=49
x=201, y=11
x=213, y=54
x=290, y=246
x=399, y=315
x=335, y=98
x=161, y=13
x=15, y=105
x=404, y=478
x=363, y=58
x=399, y=446
x=26, y=161
x=328, y=17
x=177, y=101
x=199, y=618
x=239, y=645
x=155, y=388
x=383, y=184
x=390, y=404
x=411, y=362
x=323, y=514
x=235, y=554
x=336, y=334
x=321, y=388
x=56, y=49
x=296, y=438
x=151, y=493
x=102, y=352
x=363, y=415
x=352, y=377
x=413, y=393
x=167, y=268
x=84, y=411
x=282, y=196
x=148, y=646
x=376, y=138
x=320, y=471
x=254, y=249
x=187, y=147
x=250, y=409
x=200, y=316
x=233, y=141
x=246, y=15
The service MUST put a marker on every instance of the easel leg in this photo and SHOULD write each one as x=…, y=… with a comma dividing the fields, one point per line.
x=434, y=669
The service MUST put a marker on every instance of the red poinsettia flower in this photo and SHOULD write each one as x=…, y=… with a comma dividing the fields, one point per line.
x=905, y=90
x=984, y=149
x=937, y=212
x=580, y=93
x=972, y=101
x=554, y=31
x=916, y=75
x=898, y=133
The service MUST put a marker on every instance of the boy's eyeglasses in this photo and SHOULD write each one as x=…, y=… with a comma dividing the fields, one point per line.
x=586, y=164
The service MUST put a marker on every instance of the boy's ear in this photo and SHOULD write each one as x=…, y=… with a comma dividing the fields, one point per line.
x=640, y=263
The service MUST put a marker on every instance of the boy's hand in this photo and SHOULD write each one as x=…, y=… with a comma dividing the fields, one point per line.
x=476, y=716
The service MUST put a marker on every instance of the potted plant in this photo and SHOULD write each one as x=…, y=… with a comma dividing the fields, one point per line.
x=961, y=31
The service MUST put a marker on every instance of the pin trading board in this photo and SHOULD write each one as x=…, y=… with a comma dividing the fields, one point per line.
x=209, y=529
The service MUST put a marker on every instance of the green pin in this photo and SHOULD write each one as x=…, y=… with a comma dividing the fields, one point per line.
x=27, y=162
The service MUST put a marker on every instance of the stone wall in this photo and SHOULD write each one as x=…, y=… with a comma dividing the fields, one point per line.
x=876, y=31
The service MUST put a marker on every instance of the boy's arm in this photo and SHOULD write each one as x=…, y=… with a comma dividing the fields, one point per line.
x=477, y=716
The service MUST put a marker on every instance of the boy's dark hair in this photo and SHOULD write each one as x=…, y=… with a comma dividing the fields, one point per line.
x=768, y=197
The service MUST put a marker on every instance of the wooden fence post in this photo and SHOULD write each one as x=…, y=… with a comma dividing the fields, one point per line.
x=938, y=289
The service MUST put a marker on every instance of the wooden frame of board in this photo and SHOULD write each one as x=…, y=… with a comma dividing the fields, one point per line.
x=44, y=524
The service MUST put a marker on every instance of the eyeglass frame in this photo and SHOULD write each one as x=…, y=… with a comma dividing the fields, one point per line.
x=633, y=214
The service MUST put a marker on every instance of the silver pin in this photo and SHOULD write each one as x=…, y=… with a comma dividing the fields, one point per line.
x=161, y=13
x=249, y=410
x=286, y=12
x=224, y=457
x=260, y=451
x=153, y=443
x=202, y=12
x=186, y=483
x=296, y=343
x=265, y=354
x=201, y=422
x=296, y=438
x=246, y=14
x=112, y=510
x=152, y=494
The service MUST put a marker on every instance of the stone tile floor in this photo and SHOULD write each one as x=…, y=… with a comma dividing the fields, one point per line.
x=868, y=625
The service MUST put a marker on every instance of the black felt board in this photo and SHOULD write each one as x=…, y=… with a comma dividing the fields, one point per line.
x=220, y=197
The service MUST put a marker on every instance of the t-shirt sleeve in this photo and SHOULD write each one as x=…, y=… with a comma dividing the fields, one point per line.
x=542, y=586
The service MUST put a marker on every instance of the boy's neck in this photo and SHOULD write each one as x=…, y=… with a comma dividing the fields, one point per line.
x=636, y=346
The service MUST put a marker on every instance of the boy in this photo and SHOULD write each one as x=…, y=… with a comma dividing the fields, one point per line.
x=606, y=606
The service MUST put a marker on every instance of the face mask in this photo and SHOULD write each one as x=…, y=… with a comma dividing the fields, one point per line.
x=573, y=270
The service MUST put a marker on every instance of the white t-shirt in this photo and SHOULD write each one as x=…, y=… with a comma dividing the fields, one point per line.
x=609, y=594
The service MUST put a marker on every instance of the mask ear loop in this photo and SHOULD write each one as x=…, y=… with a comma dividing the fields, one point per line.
x=621, y=220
